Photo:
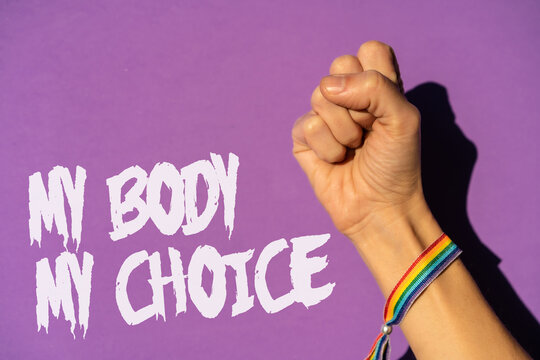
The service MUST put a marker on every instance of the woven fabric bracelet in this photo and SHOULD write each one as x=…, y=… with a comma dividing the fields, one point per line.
x=420, y=274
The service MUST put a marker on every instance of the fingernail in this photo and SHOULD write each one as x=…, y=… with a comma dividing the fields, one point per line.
x=334, y=84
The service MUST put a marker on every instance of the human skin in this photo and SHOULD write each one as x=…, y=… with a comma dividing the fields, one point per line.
x=359, y=146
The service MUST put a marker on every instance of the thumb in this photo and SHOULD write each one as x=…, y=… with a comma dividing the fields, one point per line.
x=373, y=92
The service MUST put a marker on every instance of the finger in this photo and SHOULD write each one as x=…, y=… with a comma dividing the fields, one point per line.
x=375, y=55
x=319, y=139
x=348, y=64
x=371, y=91
x=337, y=119
x=299, y=140
x=306, y=157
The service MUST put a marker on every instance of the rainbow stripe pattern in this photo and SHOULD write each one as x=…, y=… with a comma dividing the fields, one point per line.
x=430, y=264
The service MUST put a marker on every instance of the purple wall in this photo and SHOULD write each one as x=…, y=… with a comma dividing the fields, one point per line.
x=107, y=85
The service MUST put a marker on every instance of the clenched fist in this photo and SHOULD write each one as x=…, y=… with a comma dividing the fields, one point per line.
x=360, y=145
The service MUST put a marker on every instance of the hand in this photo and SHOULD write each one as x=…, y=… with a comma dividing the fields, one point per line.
x=360, y=148
x=360, y=144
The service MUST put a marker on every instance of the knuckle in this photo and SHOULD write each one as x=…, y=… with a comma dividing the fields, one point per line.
x=336, y=154
x=415, y=113
x=317, y=99
x=414, y=116
x=297, y=129
x=372, y=80
x=378, y=50
x=409, y=121
x=343, y=64
x=393, y=76
x=351, y=140
x=312, y=126
x=372, y=48
x=349, y=136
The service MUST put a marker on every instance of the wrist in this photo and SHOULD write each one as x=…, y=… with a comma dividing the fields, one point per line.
x=393, y=238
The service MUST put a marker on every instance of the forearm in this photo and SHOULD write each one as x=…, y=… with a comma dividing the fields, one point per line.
x=451, y=319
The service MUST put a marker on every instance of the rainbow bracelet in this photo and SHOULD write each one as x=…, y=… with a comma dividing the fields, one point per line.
x=420, y=274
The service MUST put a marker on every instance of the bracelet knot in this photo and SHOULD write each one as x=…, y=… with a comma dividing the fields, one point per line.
x=430, y=264
x=386, y=329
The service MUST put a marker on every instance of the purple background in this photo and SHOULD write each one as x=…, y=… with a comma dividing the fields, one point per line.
x=107, y=85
